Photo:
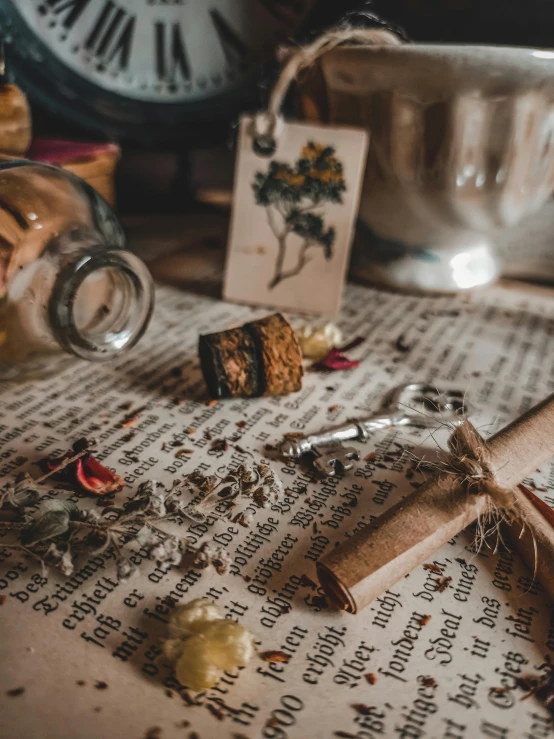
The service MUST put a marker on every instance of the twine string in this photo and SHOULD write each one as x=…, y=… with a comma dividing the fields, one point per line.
x=305, y=57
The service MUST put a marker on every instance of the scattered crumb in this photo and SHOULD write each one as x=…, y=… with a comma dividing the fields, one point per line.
x=371, y=678
x=241, y=424
x=169, y=693
x=212, y=402
x=183, y=453
x=294, y=435
x=2, y=599
x=184, y=724
x=81, y=682
x=272, y=722
x=219, y=445
x=424, y=620
x=190, y=431
x=433, y=568
x=362, y=709
x=100, y=685
x=154, y=732
x=14, y=692
x=371, y=457
x=97, y=709
x=125, y=406
x=400, y=345
x=274, y=655
x=498, y=691
x=443, y=583
x=332, y=408
x=427, y=681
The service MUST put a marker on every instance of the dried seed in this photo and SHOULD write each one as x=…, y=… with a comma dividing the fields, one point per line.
x=274, y=655
x=15, y=692
x=427, y=681
x=443, y=583
x=362, y=709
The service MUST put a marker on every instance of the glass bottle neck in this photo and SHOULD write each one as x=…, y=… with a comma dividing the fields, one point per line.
x=101, y=303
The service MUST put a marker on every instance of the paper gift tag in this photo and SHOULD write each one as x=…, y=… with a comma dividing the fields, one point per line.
x=293, y=216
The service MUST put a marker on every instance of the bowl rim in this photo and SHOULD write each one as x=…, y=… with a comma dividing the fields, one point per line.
x=544, y=53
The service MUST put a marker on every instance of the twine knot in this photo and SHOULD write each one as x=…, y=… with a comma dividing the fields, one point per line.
x=470, y=462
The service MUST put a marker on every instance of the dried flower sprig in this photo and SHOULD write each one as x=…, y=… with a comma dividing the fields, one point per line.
x=54, y=532
x=257, y=484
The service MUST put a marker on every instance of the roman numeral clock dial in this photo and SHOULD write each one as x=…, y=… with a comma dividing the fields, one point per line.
x=131, y=63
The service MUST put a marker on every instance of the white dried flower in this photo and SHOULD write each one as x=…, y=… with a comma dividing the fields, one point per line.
x=317, y=341
x=125, y=570
x=218, y=557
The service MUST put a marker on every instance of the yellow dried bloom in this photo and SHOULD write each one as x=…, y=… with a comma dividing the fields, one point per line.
x=202, y=644
x=317, y=341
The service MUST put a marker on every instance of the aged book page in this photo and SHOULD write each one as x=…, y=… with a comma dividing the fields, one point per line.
x=439, y=655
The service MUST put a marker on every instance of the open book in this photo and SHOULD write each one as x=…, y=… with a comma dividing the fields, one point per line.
x=442, y=654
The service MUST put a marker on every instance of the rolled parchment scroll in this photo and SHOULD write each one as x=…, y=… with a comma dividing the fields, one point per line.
x=408, y=534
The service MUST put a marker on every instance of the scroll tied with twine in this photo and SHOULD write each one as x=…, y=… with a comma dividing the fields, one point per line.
x=480, y=482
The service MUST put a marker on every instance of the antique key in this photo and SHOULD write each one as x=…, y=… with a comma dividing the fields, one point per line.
x=413, y=404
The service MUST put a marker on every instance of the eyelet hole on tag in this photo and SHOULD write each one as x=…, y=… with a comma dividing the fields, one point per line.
x=264, y=145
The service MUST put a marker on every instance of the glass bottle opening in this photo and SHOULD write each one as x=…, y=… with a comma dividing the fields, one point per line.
x=101, y=304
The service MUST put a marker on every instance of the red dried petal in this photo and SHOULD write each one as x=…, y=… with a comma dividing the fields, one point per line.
x=93, y=477
x=335, y=360
x=85, y=473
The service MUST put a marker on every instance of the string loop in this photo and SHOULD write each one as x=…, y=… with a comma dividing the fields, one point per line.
x=265, y=124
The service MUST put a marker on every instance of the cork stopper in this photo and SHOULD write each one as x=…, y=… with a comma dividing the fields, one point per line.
x=259, y=358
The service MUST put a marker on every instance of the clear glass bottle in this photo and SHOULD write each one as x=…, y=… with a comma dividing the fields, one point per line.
x=68, y=287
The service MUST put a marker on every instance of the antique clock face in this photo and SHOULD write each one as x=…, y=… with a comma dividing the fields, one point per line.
x=145, y=69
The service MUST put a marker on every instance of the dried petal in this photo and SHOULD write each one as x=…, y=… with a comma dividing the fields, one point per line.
x=335, y=360
x=85, y=473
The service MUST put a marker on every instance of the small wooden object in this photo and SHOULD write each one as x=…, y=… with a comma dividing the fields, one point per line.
x=93, y=162
x=408, y=534
x=259, y=358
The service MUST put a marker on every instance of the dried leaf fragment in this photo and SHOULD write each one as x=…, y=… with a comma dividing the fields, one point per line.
x=362, y=709
x=275, y=655
x=15, y=692
x=427, y=681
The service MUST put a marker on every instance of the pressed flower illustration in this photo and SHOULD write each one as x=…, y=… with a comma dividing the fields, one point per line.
x=293, y=197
